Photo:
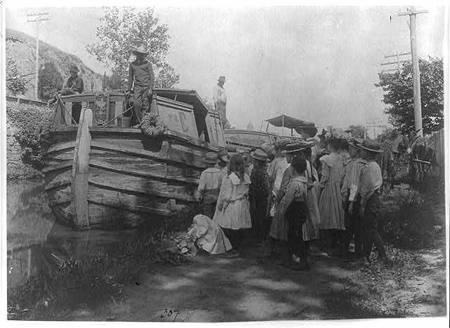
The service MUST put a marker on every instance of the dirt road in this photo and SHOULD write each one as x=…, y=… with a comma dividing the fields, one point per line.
x=214, y=289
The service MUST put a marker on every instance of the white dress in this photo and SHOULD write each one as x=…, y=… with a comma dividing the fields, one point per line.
x=233, y=208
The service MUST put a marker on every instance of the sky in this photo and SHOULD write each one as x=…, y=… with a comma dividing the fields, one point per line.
x=316, y=63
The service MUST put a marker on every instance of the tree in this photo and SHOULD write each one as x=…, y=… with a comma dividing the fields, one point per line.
x=15, y=83
x=357, y=131
x=120, y=32
x=50, y=81
x=399, y=96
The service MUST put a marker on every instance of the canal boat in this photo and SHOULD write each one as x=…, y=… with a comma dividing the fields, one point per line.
x=245, y=140
x=103, y=174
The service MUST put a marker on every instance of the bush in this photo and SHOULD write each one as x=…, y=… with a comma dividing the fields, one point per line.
x=406, y=220
x=33, y=136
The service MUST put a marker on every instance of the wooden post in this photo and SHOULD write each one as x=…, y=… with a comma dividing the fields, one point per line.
x=80, y=170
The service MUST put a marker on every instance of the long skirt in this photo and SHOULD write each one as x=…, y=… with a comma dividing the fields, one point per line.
x=332, y=214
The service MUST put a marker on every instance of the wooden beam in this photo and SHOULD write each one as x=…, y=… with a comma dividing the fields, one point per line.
x=99, y=182
x=143, y=174
x=80, y=170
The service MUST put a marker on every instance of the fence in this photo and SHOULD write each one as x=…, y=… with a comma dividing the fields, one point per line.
x=19, y=100
x=438, y=139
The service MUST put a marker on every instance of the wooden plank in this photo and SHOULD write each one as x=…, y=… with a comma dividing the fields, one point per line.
x=60, y=147
x=145, y=154
x=126, y=202
x=144, y=174
x=57, y=167
x=126, y=186
x=58, y=184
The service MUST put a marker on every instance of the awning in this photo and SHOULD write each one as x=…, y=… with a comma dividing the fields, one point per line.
x=301, y=127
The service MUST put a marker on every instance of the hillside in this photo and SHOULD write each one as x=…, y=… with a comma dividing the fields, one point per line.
x=22, y=49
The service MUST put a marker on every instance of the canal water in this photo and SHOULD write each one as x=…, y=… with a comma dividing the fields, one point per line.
x=35, y=241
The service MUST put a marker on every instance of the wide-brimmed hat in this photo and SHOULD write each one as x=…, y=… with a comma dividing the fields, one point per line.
x=356, y=143
x=221, y=78
x=73, y=68
x=298, y=146
x=371, y=146
x=259, y=155
x=223, y=155
x=210, y=158
x=139, y=50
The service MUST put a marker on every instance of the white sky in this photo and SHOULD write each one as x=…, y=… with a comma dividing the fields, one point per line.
x=314, y=63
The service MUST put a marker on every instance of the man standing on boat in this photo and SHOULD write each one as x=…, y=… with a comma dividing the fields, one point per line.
x=141, y=78
x=220, y=101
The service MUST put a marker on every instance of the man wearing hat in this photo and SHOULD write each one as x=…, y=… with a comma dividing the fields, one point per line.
x=259, y=195
x=220, y=101
x=141, y=78
x=209, y=185
x=74, y=85
x=370, y=204
x=351, y=200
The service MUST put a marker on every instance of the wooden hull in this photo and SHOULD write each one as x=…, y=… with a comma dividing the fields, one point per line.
x=131, y=178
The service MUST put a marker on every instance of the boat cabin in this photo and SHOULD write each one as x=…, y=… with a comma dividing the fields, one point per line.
x=181, y=111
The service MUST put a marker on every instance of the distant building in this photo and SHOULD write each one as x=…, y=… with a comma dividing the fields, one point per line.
x=250, y=126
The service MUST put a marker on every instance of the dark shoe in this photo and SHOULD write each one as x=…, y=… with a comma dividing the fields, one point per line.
x=302, y=266
x=230, y=254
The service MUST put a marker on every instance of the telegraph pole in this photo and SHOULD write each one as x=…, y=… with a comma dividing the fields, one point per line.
x=399, y=60
x=412, y=13
x=37, y=18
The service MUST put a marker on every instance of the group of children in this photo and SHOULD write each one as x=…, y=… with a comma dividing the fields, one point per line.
x=286, y=198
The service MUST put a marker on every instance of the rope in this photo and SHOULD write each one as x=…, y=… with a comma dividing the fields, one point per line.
x=106, y=124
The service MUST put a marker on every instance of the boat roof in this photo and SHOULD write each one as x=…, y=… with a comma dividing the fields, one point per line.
x=187, y=96
x=292, y=123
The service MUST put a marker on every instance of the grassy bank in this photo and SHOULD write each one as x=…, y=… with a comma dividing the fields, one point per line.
x=27, y=138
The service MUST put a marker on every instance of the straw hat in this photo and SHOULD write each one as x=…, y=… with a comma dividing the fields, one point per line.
x=356, y=143
x=73, y=68
x=297, y=146
x=259, y=155
x=210, y=158
x=371, y=146
x=223, y=155
x=139, y=50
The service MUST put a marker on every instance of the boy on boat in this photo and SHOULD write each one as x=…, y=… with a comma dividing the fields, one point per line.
x=141, y=78
x=209, y=186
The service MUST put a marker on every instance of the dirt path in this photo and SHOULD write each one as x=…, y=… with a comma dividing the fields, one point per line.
x=213, y=289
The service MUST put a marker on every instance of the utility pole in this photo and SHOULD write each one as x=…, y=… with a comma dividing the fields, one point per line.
x=374, y=124
x=412, y=13
x=399, y=60
x=37, y=18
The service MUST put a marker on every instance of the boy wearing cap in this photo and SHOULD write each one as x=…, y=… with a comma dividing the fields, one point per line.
x=351, y=199
x=259, y=194
x=294, y=209
x=370, y=184
x=209, y=185
x=142, y=78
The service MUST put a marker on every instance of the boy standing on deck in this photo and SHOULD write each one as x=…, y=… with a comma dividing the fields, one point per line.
x=141, y=78
x=209, y=186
